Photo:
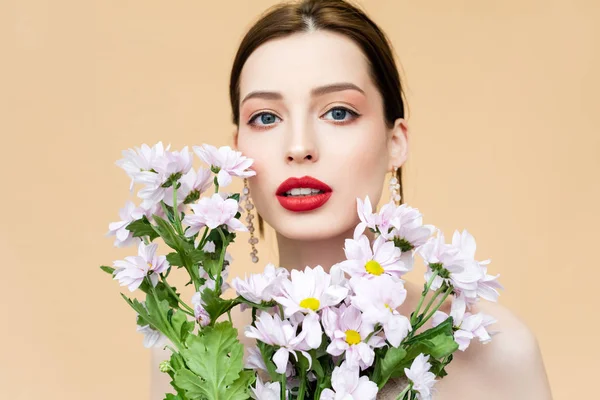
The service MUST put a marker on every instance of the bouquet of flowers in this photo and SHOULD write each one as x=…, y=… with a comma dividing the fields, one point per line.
x=320, y=334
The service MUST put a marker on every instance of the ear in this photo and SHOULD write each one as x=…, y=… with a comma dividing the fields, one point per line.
x=398, y=144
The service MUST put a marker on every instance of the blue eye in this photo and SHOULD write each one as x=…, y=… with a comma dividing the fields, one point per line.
x=339, y=114
x=265, y=118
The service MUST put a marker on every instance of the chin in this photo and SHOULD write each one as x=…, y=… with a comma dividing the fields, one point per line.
x=314, y=225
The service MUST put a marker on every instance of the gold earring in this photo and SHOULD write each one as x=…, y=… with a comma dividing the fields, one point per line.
x=394, y=187
x=249, y=219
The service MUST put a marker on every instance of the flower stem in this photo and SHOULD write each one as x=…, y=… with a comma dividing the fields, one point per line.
x=423, y=295
x=170, y=289
x=283, y=380
x=404, y=392
x=170, y=334
x=435, y=295
x=302, y=384
x=439, y=304
x=218, y=280
x=176, y=209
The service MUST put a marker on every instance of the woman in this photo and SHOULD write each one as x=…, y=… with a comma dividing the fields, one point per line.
x=316, y=95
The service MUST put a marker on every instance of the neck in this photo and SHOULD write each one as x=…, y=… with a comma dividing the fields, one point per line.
x=297, y=254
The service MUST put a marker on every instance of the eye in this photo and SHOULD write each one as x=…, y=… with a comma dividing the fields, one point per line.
x=340, y=114
x=264, y=118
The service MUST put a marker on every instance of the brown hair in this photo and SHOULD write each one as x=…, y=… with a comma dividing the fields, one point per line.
x=333, y=15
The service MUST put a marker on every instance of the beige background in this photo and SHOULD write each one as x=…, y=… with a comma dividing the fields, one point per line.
x=503, y=98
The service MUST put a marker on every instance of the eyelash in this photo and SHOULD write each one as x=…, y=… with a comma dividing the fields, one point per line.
x=354, y=115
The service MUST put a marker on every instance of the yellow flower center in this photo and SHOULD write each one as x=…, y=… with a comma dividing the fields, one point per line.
x=389, y=308
x=352, y=337
x=310, y=303
x=149, y=265
x=373, y=267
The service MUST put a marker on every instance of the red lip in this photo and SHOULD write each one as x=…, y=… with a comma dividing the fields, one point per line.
x=304, y=203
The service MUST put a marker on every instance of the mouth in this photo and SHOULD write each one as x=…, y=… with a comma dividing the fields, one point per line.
x=303, y=194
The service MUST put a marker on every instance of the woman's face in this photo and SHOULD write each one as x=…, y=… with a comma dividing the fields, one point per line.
x=309, y=108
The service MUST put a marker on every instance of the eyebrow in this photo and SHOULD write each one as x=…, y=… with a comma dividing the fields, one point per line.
x=318, y=91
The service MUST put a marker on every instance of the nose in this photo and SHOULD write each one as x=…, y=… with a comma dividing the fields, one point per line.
x=301, y=145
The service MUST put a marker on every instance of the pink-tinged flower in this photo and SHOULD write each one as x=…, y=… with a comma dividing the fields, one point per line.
x=267, y=391
x=255, y=360
x=420, y=376
x=384, y=258
x=276, y=332
x=368, y=219
x=436, y=251
x=174, y=163
x=469, y=325
x=193, y=183
x=307, y=292
x=478, y=283
x=261, y=287
x=344, y=326
x=407, y=224
x=140, y=163
x=378, y=299
x=152, y=337
x=226, y=162
x=200, y=313
x=134, y=269
x=128, y=214
x=213, y=212
x=348, y=385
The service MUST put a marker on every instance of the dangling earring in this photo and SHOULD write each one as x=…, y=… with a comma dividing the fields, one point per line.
x=249, y=206
x=395, y=187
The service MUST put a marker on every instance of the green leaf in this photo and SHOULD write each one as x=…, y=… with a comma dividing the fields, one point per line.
x=216, y=359
x=441, y=346
x=390, y=364
x=239, y=389
x=164, y=294
x=214, y=305
x=142, y=227
x=444, y=328
x=193, y=385
x=172, y=397
x=181, y=325
x=175, y=259
x=108, y=270
x=168, y=234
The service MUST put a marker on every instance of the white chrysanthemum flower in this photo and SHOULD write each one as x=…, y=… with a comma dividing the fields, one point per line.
x=366, y=262
x=152, y=337
x=213, y=211
x=378, y=299
x=140, y=163
x=227, y=161
x=469, y=325
x=267, y=391
x=200, y=313
x=261, y=287
x=420, y=376
x=307, y=292
x=344, y=326
x=128, y=214
x=274, y=331
x=348, y=385
x=134, y=269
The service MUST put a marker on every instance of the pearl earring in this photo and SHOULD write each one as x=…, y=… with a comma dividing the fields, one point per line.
x=249, y=206
x=395, y=187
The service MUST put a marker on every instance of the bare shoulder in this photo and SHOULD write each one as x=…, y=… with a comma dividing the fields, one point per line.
x=512, y=362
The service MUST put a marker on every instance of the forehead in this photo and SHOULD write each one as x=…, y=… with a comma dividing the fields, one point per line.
x=295, y=64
